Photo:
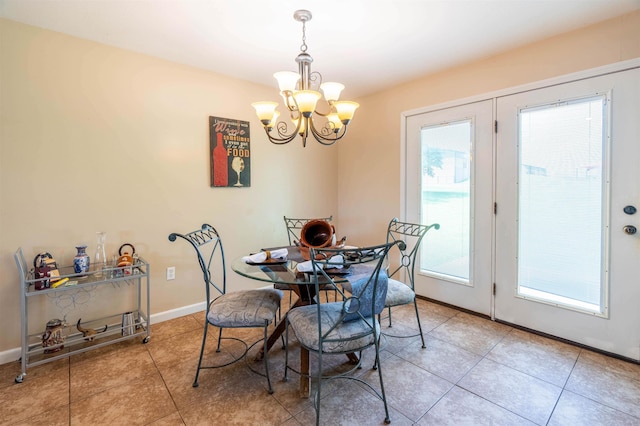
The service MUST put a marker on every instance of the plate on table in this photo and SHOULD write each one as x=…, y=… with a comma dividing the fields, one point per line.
x=272, y=261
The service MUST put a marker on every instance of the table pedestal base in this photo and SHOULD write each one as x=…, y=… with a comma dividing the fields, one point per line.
x=305, y=381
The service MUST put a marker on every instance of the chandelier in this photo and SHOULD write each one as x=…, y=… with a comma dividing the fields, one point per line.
x=300, y=94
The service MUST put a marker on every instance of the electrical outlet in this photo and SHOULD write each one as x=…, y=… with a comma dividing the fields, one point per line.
x=171, y=273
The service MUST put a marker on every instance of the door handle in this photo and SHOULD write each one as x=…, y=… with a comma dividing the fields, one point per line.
x=629, y=229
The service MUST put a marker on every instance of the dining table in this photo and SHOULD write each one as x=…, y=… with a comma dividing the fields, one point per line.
x=285, y=272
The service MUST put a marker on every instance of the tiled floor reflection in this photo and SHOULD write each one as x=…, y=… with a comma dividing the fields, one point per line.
x=472, y=372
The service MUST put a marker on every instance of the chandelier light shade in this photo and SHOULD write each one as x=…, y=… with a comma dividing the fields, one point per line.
x=266, y=111
x=306, y=113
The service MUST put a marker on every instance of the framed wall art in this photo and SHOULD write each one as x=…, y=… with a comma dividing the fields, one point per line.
x=229, y=152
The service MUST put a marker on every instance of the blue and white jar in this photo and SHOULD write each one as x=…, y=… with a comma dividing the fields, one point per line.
x=81, y=261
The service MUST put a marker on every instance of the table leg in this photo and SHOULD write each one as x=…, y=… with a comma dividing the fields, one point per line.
x=277, y=332
x=305, y=380
x=353, y=358
x=304, y=298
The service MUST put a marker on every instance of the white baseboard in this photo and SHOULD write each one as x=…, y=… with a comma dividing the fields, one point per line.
x=13, y=355
x=178, y=312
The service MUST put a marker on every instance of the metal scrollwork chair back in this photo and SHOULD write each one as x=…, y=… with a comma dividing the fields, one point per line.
x=347, y=326
x=403, y=292
x=241, y=309
x=294, y=226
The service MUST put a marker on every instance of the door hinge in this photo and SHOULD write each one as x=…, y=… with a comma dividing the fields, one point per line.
x=495, y=208
x=494, y=289
x=495, y=126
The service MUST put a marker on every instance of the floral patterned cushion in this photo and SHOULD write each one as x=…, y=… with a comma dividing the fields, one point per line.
x=249, y=308
x=352, y=336
x=398, y=293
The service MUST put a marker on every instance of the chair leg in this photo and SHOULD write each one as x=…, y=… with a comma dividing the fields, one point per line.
x=376, y=360
x=280, y=319
x=280, y=308
x=266, y=357
x=387, y=419
x=286, y=352
x=219, y=340
x=280, y=311
x=389, y=310
x=316, y=401
x=280, y=315
x=415, y=305
x=204, y=340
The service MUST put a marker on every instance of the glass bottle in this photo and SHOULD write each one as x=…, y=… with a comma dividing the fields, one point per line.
x=100, y=257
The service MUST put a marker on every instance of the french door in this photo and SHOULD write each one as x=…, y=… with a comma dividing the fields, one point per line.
x=537, y=219
x=567, y=260
x=449, y=167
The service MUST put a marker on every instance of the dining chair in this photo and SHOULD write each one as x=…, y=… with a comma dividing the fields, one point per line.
x=294, y=227
x=239, y=309
x=343, y=327
x=403, y=292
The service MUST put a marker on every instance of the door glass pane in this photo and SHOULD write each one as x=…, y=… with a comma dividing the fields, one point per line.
x=560, y=193
x=446, y=199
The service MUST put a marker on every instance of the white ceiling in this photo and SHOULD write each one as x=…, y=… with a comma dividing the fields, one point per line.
x=365, y=44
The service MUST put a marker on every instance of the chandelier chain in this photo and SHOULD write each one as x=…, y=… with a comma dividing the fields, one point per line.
x=303, y=47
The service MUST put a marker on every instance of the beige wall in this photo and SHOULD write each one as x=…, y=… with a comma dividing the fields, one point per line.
x=95, y=138
x=372, y=154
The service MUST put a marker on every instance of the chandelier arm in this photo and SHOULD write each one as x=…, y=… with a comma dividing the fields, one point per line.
x=324, y=114
x=279, y=141
x=288, y=97
x=282, y=127
x=314, y=79
x=321, y=114
x=283, y=138
x=318, y=136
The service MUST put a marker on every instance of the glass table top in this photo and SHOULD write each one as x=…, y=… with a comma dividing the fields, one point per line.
x=280, y=272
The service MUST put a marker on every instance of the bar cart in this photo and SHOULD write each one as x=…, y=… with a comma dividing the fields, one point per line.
x=115, y=327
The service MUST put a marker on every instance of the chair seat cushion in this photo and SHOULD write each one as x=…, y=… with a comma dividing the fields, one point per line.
x=352, y=335
x=250, y=308
x=398, y=293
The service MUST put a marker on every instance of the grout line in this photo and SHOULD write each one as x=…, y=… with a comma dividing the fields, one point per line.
x=415, y=341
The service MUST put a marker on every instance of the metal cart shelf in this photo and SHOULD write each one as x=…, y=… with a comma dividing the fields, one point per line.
x=32, y=351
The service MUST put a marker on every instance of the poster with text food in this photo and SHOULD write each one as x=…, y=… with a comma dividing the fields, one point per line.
x=229, y=152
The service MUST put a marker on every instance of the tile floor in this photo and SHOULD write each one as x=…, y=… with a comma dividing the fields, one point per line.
x=473, y=372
